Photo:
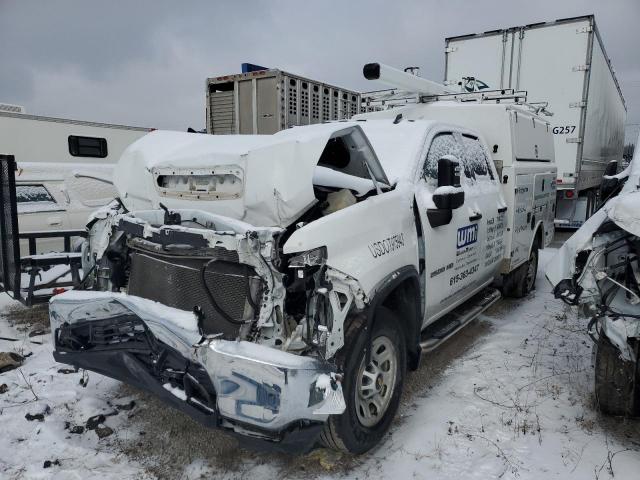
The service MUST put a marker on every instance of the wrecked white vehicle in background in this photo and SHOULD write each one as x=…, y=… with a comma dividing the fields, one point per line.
x=598, y=270
x=280, y=286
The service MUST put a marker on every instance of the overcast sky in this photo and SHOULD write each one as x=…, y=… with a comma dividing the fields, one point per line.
x=145, y=62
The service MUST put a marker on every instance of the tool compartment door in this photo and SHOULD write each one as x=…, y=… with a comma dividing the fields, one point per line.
x=544, y=196
x=522, y=216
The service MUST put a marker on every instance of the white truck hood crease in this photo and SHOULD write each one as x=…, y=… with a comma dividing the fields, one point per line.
x=277, y=171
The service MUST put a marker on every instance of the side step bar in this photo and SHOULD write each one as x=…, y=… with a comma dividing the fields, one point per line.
x=443, y=329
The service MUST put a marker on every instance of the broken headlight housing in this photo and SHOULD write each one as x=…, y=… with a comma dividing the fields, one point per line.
x=310, y=258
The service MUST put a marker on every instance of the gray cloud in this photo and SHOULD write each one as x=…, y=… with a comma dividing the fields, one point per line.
x=145, y=62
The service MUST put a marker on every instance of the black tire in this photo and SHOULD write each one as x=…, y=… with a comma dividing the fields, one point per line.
x=616, y=381
x=522, y=280
x=346, y=432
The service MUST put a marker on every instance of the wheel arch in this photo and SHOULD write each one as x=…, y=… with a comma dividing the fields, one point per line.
x=538, y=236
x=400, y=292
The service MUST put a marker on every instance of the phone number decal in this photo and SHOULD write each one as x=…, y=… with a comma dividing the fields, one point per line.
x=458, y=277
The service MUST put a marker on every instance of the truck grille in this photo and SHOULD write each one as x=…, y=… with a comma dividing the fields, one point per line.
x=176, y=281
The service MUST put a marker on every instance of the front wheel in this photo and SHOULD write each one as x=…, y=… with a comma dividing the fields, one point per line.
x=616, y=381
x=371, y=388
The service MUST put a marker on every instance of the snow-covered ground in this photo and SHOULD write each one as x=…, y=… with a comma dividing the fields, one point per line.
x=510, y=397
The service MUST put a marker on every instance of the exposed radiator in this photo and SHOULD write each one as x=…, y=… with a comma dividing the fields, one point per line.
x=176, y=281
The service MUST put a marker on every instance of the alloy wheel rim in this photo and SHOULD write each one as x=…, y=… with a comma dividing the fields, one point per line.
x=376, y=382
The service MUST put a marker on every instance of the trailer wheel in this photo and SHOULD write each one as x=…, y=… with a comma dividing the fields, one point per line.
x=616, y=381
x=522, y=280
x=371, y=389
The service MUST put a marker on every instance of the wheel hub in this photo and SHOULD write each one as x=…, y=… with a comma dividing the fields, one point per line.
x=376, y=382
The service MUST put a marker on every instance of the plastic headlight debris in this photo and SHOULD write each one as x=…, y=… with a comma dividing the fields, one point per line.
x=332, y=401
x=310, y=258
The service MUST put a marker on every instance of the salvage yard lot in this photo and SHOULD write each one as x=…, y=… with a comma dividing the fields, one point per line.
x=509, y=397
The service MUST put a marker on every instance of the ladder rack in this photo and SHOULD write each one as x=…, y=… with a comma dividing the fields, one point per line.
x=391, y=98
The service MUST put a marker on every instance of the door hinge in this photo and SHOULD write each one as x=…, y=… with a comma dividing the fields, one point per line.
x=586, y=29
x=450, y=49
x=580, y=68
x=577, y=104
x=574, y=140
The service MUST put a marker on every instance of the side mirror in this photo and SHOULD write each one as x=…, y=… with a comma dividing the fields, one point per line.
x=449, y=195
x=611, y=169
x=610, y=187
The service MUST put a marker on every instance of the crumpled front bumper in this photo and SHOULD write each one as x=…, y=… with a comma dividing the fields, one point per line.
x=250, y=389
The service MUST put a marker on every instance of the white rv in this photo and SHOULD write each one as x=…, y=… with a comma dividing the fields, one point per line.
x=64, y=167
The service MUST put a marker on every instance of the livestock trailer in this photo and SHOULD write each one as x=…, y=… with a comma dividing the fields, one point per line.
x=267, y=101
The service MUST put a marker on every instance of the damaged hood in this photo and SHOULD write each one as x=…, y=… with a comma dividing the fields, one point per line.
x=264, y=180
x=623, y=210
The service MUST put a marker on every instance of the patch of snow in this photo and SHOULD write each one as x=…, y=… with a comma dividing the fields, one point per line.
x=176, y=392
x=447, y=190
x=323, y=382
x=626, y=212
x=38, y=387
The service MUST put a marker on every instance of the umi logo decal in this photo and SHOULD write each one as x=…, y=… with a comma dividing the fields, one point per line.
x=467, y=235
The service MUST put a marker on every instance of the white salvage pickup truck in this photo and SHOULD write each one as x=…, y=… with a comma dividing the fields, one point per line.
x=279, y=286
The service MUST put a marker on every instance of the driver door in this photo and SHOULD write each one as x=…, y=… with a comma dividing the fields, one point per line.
x=452, y=252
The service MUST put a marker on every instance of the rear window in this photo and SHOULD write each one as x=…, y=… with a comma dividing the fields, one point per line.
x=35, y=198
x=441, y=145
x=32, y=193
x=87, y=146
x=475, y=161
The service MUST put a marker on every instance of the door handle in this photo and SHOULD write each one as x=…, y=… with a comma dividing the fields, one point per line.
x=475, y=217
x=54, y=221
x=502, y=210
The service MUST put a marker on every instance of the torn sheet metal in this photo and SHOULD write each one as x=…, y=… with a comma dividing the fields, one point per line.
x=623, y=209
x=254, y=384
x=271, y=175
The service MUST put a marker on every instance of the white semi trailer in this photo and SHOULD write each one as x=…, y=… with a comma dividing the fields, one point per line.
x=565, y=64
